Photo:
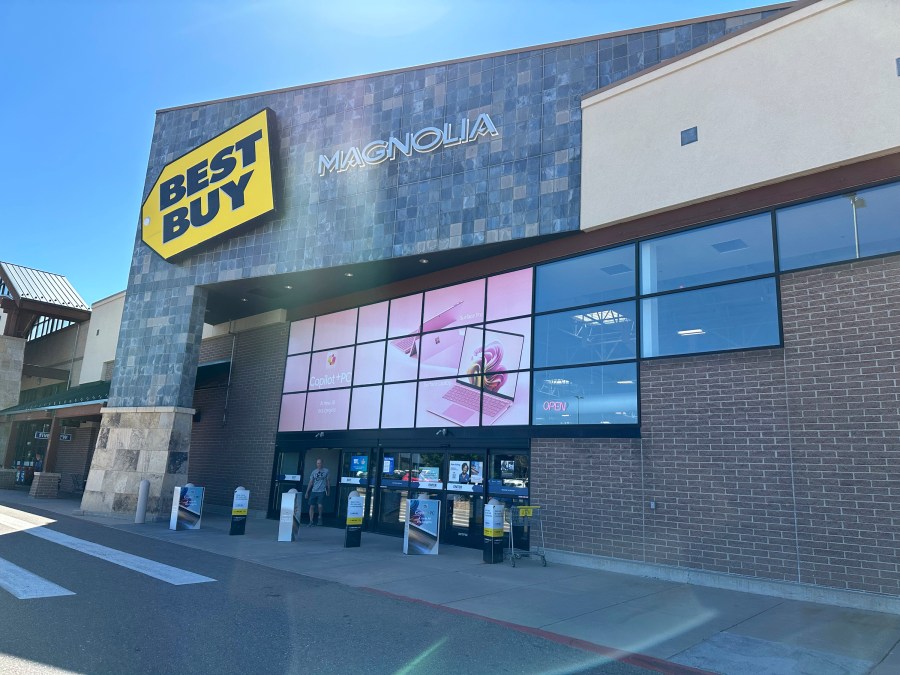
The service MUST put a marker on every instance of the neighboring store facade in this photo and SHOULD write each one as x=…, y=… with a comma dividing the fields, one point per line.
x=499, y=228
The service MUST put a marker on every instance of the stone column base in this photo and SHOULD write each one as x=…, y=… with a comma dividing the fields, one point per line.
x=136, y=444
x=45, y=485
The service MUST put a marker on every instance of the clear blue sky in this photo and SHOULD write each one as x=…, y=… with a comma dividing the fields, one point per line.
x=80, y=82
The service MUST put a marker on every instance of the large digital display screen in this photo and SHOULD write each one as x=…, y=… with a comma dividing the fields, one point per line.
x=455, y=356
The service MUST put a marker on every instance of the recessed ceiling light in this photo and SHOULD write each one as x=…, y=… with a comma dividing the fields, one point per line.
x=692, y=331
x=243, y=299
x=348, y=274
x=288, y=286
x=424, y=261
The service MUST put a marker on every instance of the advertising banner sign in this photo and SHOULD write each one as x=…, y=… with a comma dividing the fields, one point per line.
x=355, y=506
x=421, y=534
x=211, y=190
x=289, y=518
x=239, y=508
x=466, y=476
x=187, y=508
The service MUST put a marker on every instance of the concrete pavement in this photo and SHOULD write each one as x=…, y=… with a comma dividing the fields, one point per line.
x=628, y=616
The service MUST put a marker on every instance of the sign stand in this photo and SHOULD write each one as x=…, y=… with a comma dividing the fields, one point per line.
x=289, y=520
x=239, y=508
x=422, y=531
x=353, y=533
x=187, y=508
x=493, y=532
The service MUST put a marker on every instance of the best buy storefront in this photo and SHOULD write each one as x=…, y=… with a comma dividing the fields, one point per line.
x=488, y=277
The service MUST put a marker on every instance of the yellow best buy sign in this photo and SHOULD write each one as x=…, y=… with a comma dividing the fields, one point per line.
x=221, y=185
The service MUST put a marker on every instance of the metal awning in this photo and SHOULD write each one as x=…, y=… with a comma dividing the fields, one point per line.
x=92, y=393
x=27, y=295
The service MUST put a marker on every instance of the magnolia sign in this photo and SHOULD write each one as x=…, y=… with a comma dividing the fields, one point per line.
x=424, y=140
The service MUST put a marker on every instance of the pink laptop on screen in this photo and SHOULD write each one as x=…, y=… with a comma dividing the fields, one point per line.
x=501, y=354
x=407, y=344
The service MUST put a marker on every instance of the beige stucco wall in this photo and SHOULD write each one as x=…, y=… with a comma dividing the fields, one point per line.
x=813, y=89
x=102, y=336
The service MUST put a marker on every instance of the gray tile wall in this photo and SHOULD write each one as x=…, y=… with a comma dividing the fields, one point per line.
x=524, y=183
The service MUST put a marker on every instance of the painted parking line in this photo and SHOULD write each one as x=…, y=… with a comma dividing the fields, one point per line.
x=151, y=568
x=26, y=586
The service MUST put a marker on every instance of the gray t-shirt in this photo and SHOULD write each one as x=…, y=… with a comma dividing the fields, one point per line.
x=319, y=478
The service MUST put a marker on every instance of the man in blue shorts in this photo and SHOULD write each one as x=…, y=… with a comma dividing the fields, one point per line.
x=318, y=487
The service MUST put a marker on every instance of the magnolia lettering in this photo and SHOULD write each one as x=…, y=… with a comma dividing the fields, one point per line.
x=424, y=140
x=202, y=176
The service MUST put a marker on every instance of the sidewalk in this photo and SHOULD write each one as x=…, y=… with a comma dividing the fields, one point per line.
x=706, y=628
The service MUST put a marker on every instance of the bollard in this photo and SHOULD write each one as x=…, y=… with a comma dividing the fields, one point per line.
x=143, y=494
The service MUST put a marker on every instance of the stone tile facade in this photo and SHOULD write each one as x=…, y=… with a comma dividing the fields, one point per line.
x=12, y=358
x=136, y=444
x=524, y=183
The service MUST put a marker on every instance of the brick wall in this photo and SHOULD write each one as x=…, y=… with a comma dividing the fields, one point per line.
x=216, y=348
x=777, y=464
x=240, y=450
x=842, y=332
x=592, y=491
x=717, y=464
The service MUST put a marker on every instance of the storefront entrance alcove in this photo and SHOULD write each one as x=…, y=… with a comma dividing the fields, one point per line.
x=461, y=478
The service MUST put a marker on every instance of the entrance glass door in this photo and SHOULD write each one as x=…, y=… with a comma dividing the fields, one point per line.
x=395, y=471
x=357, y=476
x=508, y=478
x=464, y=513
x=288, y=467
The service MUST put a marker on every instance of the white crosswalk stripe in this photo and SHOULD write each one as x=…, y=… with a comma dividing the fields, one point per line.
x=151, y=568
x=24, y=585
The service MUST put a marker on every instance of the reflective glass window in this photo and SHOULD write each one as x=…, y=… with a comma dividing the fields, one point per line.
x=816, y=233
x=878, y=219
x=586, y=395
x=706, y=255
x=734, y=316
x=589, y=335
x=586, y=279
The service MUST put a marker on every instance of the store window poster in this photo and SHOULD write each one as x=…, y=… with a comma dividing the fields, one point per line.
x=464, y=473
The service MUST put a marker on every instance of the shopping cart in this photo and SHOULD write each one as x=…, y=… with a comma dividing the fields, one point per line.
x=526, y=517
